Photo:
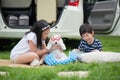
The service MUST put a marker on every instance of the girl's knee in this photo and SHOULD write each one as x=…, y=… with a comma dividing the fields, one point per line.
x=25, y=58
x=34, y=55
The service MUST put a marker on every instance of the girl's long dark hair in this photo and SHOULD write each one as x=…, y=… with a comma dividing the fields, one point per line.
x=37, y=28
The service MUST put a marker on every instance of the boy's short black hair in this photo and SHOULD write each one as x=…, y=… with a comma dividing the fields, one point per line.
x=85, y=28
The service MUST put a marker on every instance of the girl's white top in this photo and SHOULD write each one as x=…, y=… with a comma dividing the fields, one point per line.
x=23, y=45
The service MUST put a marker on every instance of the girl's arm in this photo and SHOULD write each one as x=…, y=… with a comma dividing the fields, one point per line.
x=43, y=46
x=33, y=48
x=42, y=52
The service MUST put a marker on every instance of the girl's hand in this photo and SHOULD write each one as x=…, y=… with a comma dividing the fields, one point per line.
x=56, y=47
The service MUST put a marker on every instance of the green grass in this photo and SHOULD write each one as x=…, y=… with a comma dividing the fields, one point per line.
x=4, y=54
x=101, y=71
x=104, y=71
x=110, y=43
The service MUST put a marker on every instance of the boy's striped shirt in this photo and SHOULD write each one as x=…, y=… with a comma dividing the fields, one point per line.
x=85, y=47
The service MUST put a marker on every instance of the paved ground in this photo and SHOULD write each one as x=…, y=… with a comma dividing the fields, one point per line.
x=74, y=73
x=2, y=73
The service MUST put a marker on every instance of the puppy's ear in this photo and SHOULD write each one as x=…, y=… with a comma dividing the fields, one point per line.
x=49, y=45
x=63, y=45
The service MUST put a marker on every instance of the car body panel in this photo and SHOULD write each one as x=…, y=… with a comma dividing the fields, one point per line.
x=72, y=17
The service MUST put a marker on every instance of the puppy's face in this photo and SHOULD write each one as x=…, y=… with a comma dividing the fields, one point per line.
x=55, y=39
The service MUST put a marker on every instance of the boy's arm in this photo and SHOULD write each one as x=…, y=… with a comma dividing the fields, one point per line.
x=99, y=46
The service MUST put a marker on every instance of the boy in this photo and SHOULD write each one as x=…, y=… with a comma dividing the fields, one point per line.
x=88, y=43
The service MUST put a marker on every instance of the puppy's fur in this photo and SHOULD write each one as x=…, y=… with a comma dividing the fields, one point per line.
x=57, y=40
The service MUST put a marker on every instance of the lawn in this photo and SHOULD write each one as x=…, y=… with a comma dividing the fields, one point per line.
x=98, y=71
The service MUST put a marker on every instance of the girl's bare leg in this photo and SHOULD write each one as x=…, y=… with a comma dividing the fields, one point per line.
x=42, y=59
x=26, y=58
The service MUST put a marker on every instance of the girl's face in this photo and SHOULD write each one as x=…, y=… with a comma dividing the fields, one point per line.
x=45, y=34
x=88, y=37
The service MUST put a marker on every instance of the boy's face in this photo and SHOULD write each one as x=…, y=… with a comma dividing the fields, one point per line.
x=88, y=37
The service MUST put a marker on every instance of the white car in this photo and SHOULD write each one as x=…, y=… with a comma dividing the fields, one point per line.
x=65, y=16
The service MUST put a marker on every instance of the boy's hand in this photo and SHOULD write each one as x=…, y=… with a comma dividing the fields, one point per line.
x=95, y=50
x=76, y=50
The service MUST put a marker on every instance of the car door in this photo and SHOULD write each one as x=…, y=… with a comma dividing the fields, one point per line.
x=104, y=16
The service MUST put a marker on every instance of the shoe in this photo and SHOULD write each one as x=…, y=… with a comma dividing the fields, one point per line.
x=35, y=63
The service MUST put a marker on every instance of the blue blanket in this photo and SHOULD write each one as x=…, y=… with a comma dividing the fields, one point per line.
x=51, y=60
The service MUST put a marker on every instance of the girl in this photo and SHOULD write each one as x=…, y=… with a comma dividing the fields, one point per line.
x=32, y=46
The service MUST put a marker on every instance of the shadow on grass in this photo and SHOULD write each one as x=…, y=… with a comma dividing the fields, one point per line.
x=70, y=44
